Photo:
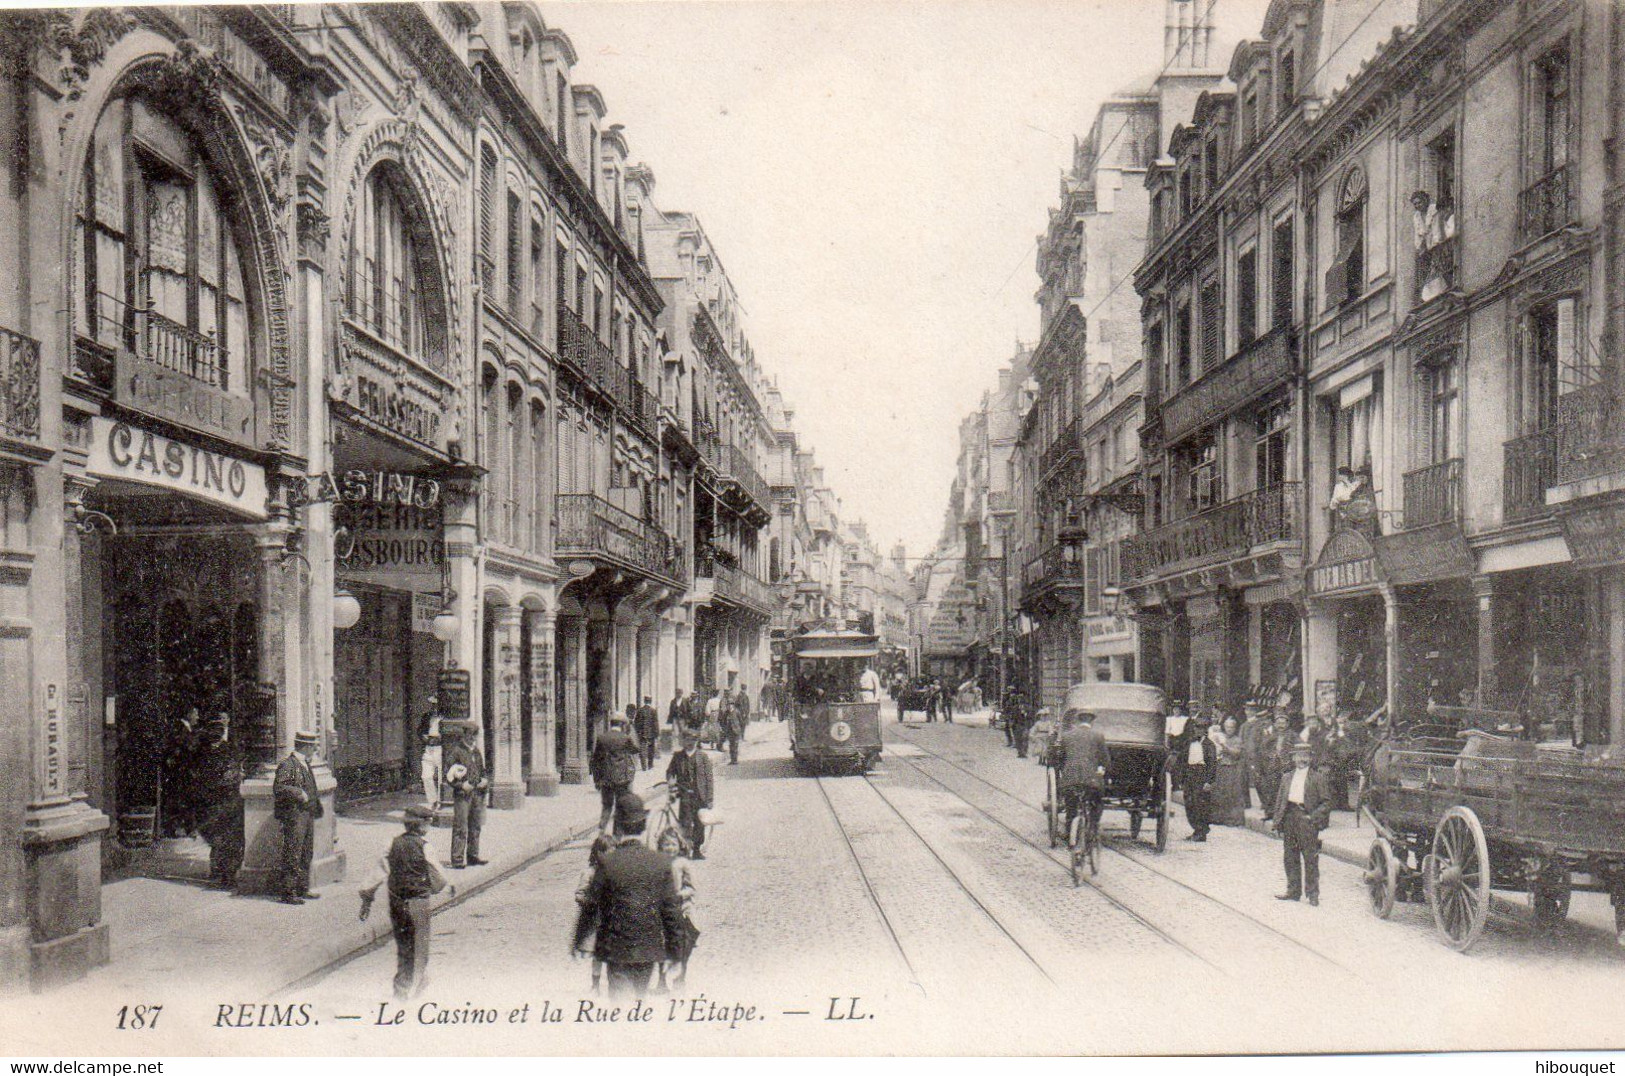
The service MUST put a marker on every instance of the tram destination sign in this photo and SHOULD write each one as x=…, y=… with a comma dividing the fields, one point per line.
x=128, y=453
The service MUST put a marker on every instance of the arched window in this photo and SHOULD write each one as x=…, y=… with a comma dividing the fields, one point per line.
x=517, y=457
x=538, y=473
x=389, y=270
x=158, y=265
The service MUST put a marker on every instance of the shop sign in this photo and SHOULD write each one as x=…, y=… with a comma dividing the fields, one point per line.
x=392, y=393
x=358, y=486
x=396, y=546
x=1346, y=562
x=1595, y=535
x=425, y=607
x=130, y=454
x=147, y=387
x=1426, y=555
x=453, y=690
x=1107, y=627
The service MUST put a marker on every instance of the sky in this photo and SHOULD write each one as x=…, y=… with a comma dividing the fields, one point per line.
x=874, y=176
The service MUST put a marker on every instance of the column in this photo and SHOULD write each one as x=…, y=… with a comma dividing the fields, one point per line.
x=461, y=533
x=1489, y=688
x=502, y=756
x=63, y=936
x=572, y=640
x=1614, y=596
x=624, y=655
x=280, y=713
x=543, y=779
x=649, y=661
x=1319, y=649
x=685, y=656
x=1390, y=632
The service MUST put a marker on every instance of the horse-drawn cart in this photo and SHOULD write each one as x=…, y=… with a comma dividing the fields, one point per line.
x=1459, y=814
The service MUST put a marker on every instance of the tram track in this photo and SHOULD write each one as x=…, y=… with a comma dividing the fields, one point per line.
x=1110, y=844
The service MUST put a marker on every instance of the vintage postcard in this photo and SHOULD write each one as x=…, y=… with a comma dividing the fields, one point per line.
x=812, y=527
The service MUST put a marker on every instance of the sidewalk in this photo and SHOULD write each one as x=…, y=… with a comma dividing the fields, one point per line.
x=252, y=947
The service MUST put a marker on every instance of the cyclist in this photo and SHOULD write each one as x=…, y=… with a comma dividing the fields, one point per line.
x=1081, y=757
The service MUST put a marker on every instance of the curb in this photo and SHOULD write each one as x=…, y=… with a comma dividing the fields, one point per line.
x=369, y=935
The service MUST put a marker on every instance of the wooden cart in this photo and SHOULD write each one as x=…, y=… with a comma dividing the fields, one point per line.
x=1461, y=813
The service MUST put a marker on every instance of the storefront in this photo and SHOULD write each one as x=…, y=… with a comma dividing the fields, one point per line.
x=1347, y=638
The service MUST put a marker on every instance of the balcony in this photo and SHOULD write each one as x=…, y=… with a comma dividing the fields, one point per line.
x=1064, y=445
x=1050, y=569
x=1547, y=204
x=736, y=585
x=160, y=340
x=1246, y=375
x=19, y=386
x=1226, y=532
x=1436, y=269
x=1586, y=440
x=589, y=526
x=1433, y=495
x=580, y=347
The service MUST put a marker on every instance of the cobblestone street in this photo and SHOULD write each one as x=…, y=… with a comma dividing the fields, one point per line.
x=928, y=892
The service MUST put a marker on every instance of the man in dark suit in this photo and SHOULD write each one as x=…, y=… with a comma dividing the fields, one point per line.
x=693, y=782
x=1301, y=812
x=614, y=763
x=677, y=712
x=633, y=903
x=296, y=805
x=1199, y=768
x=646, y=724
x=465, y=773
x=1082, y=757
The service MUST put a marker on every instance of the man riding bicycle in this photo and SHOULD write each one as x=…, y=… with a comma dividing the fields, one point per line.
x=1080, y=757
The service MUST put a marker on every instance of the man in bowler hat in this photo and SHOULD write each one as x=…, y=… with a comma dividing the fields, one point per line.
x=632, y=901
x=465, y=773
x=1301, y=812
x=412, y=879
x=297, y=804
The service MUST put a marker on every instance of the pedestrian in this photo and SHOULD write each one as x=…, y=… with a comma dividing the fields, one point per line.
x=682, y=876
x=429, y=740
x=677, y=711
x=1301, y=811
x=1227, y=806
x=595, y=858
x=734, y=716
x=715, y=708
x=647, y=728
x=931, y=700
x=1015, y=709
x=179, y=798
x=742, y=707
x=1024, y=721
x=296, y=804
x=1255, y=736
x=869, y=684
x=693, y=781
x=219, y=778
x=633, y=905
x=616, y=754
x=946, y=699
x=411, y=879
x=1198, y=772
x=465, y=773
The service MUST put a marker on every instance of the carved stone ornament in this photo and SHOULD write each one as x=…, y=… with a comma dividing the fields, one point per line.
x=314, y=227
x=80, y=48
x=188, y=80
x=273, y=159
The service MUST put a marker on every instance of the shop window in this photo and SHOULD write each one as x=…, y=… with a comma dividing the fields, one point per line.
x=159, y=266
x=1345, y=279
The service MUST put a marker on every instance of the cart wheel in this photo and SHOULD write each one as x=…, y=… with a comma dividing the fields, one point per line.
x=1550, y=899
x=1381, y=877
x=1162, y=818
x=1456, y=877
x=1134, y=820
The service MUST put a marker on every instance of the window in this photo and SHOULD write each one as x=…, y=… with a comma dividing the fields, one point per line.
x=155, y=252
x=1441, y=387
x=561, y=123
x=592, y=159
x=516, y=254
x=1156, y=358
x=1345, y=280
x=1212, y=315
x=1551, y=119
x=1271, y=448
x=1357, y=430
x=1210, y=167
x=561, y=274
x=538, y=476
x=598, y=318
x=384, y=290
x=1187, y=197
x=1281, y=274
x=1246, y=297
x=1286, y=81
x=1249, y=116
x=1158, y=213
x=1553, y=363
x=538, y=279
x=1203, y=491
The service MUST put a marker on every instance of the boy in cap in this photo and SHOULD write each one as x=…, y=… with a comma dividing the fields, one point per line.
x=633, y=903
x=412, y=878
x=1301, y=811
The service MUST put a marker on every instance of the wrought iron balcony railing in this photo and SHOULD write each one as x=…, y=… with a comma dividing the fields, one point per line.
x=19, y=385
x=1546, y=204
x=1433, y=494
x=589, y=526
x=1224, y=532
x=1587, y=439
x=736, y=584
x=1249, y=373
x=1436, y=269
x=1051, y=568
x=160, y=340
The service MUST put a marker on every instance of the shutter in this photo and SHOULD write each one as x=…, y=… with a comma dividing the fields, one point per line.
x=516, y=253
x=1568, y=360
x=488, y=194
x=1281, y=285
x=1337, y=283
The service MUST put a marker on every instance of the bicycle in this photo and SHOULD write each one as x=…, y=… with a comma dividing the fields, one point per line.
x=1084, y=832
x=669, y=818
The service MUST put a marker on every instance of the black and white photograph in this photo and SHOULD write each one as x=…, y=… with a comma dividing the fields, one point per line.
x=737, y=528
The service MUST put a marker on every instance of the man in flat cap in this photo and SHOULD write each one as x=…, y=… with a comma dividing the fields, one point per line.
x=412, y=879
x=296, y=804
x=632, y=901
x=1301, y=812
x=465, y=773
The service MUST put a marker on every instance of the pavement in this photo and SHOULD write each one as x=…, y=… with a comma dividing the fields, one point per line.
x=165, y=929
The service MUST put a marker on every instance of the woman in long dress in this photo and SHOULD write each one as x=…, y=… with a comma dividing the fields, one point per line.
x=1227, y=805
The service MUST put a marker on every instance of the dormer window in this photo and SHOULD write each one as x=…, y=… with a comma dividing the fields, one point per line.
x=1286, y=81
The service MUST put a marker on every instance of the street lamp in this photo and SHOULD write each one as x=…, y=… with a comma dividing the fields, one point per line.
x=346, y=609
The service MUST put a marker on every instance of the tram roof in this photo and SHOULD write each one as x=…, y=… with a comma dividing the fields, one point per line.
x=836, y=644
